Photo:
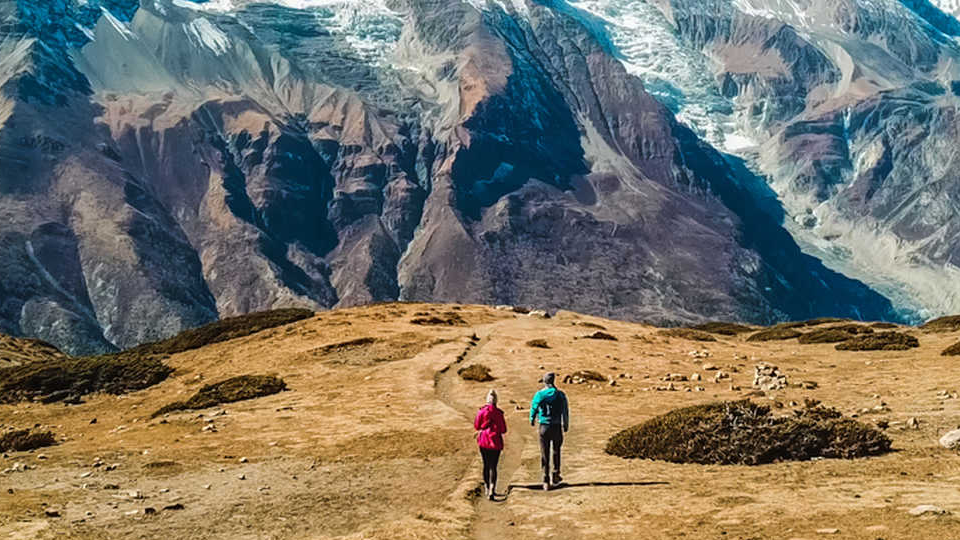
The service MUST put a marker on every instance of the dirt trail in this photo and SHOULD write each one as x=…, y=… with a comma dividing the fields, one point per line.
x=493, y=517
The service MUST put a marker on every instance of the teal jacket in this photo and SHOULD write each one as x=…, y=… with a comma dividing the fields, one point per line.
x=551, y=405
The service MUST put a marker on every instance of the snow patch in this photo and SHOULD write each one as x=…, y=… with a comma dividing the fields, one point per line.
x=204, y=33
x=121, y=27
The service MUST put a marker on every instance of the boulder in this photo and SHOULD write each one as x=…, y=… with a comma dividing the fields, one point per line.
x=951, y=440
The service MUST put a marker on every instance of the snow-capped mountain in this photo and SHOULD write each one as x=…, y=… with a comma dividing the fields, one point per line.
x=167, y=162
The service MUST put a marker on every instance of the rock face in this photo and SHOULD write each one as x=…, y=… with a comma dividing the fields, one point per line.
x=846, y=108
x=169, y=163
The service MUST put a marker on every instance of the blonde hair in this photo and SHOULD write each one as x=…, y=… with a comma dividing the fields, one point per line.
x=492, y=397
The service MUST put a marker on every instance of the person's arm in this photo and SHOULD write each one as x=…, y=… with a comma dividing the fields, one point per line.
x=503, y=423
x=534, y=405
x=478, y=421
x=566, y=413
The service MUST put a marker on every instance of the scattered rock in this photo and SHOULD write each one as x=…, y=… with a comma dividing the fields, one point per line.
x=913, y=423
x=927, y=510
x=111, y=486
x=828, y=531
x=695, y=377
x=674, y=377
x=244, y=460
x=951, y=440
x=149, y=510
x=768, y=377
x=135, y=494
x=175, y=506
x=241, y=476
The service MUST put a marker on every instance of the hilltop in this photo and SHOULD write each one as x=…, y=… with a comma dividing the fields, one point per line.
x=370, y=435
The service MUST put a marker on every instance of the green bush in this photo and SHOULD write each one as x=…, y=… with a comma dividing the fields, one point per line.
x=744, y=433
x=775, y=334
x=24, y=439
x=687, y=333
x=882, y=341
x=228, y=391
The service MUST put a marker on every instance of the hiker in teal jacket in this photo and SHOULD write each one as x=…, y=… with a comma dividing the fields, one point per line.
x=550, y=405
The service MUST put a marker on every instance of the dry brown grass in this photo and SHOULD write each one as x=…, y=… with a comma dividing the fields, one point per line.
x=687, y=333
x=538, y=344
x=723, y=328
x=950, y=323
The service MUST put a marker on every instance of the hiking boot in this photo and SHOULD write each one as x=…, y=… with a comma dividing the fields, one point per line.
x=546, y=486
x=557, y=479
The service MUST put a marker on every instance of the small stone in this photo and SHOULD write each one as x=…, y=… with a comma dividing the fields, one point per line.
x=113, y=467
x=243, y=460
x=175, y=506
x=135, y=494
x=206, y=486
x=52, y=513
x=927, y=510
x=696, y=377
x=131, y=513
x=86, y=474
x=828, y=531
x=41, y=456
x=242, y=476
x=165, y=490
x=111, y=486
x=913, y=423
x=149, y=510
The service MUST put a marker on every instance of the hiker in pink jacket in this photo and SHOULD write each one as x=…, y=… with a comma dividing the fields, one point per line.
x=491, y=426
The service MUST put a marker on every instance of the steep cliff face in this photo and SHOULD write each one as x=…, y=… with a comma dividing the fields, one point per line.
x=169, y=163
x=845, y=108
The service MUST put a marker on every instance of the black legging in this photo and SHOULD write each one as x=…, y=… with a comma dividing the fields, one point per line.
x=490, y=460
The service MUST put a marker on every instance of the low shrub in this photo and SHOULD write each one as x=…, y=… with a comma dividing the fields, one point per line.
x=58, y=380
x=25, y=439
x=538, y=344
x=446, y=319
x=836, y=334
x=601, y=336
x=224, y=330
x=229, y=391
x=884, y=326
x=823, y=320
x=950, y=323
x=882, y=341
x=953, y=350
x=723, y=328
x=686, y=333
x=475, y=372
x=775, y=334
x=744, y=433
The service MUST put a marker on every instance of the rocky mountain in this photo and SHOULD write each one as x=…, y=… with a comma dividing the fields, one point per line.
x=169, y=162
x=847, y=109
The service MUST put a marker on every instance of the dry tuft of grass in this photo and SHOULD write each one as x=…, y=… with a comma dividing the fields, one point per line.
x=882, y=341
x=229, y=391
x=538, y=344
x=723, y=328
x=775, y=334
x=24, y=440
x=475, y=372
x=686, y=333
x=744, y=433
x=950, y=323
x=884, y=325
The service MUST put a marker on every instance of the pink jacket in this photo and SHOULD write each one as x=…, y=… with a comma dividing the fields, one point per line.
x=491, y=425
